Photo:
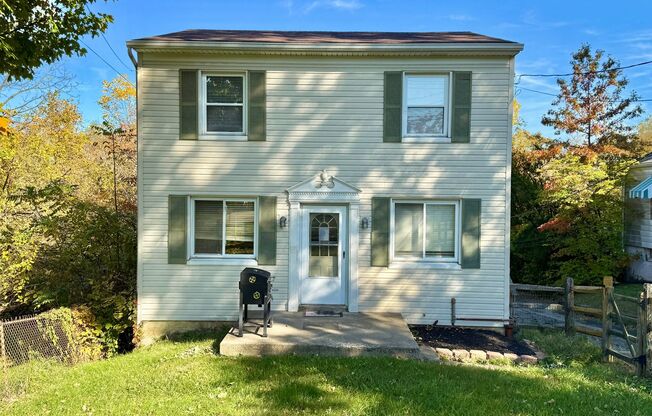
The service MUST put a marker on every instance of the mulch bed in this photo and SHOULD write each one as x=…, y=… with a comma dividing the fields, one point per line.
x=469, y=339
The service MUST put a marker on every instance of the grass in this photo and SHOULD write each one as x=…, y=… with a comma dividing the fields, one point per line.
x=186, y=377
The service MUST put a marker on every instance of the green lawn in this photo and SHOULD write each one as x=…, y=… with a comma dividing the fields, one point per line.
x=186, y=377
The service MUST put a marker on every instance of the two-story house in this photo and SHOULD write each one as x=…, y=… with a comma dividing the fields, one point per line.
x=365, y=170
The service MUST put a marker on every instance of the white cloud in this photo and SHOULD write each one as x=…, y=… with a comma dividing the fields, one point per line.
x=460, y=17
x=333, y=4
x=591, y=32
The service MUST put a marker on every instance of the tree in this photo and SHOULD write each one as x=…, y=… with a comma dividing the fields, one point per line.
x=62, y=243
x=644, y=133
x=115, y=139
x=42, y=31
x=591, y=107
x=20, y=98
x=583, y=186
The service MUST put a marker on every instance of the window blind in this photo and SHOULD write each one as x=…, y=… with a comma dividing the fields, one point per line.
x=239, y=227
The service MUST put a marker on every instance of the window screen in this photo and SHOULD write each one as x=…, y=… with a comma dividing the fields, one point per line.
x=425, y=105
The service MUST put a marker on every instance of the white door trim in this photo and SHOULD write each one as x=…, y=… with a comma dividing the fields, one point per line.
x=323, y=189
x=307, y=282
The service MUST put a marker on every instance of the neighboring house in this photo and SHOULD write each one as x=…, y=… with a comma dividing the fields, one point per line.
x=366, y=170
x=638, y=221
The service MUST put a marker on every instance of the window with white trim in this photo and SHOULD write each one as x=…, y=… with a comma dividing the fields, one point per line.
x=223, y=227
x=426, y=230
x=426, y=105
x=223, y=103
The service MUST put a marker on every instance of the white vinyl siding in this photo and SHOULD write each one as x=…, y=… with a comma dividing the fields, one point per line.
x=638, y=230
x=323, y=113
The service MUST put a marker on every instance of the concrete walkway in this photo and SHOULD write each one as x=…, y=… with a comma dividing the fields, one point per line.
x=354, y=334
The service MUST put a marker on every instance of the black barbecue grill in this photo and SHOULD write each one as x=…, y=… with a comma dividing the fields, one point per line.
x=255, y=289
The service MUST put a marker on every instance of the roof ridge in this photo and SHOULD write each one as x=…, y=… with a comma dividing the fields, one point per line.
x=324, y=36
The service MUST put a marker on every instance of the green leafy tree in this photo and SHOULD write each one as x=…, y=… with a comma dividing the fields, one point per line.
x=584, y=188
x=592, y=108
x=530, y=249
x=36, y=32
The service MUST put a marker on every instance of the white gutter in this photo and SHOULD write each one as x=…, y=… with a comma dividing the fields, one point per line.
x=494, y=48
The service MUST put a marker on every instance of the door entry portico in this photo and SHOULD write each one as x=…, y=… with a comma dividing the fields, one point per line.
x=323, y=242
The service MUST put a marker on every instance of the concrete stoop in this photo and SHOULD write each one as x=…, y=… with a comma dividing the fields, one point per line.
x=352, y=335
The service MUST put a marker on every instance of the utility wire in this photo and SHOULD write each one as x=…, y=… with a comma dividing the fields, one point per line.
x=111, y=47
x=518, y=77
x=115, y=54
x=107, y=62
x=555, y=95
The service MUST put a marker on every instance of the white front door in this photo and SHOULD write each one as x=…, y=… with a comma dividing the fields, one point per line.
x=323, y=255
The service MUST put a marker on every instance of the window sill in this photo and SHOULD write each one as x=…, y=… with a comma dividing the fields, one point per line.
x=409, y=139
x=221, y=262
x=224, y=137
x=424, y=265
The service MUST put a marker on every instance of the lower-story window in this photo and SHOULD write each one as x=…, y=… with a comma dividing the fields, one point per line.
x=223, y=227
x=426, y=230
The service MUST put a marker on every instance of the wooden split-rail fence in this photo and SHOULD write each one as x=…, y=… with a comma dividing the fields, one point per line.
x=623, y=323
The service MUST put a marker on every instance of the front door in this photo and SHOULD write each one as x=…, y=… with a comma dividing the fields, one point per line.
x=323, y=256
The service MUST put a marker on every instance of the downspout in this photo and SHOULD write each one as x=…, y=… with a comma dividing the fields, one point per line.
x=130, y=52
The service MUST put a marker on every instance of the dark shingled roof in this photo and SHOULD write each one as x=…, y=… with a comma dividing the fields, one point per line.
x=273, y=36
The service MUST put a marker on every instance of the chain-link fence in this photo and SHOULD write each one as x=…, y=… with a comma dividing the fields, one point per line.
x=31, y=337
x=537, y=306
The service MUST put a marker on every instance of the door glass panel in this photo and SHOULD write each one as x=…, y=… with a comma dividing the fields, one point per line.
x=324, y=245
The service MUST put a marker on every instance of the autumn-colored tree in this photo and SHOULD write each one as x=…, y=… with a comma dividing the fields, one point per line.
x=644, y=134
x=62, y=242
x=115, y=139
x=592, y=108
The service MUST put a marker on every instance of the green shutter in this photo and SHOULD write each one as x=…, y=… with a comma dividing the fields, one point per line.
x=461, y=131
x=380, y=231
x=392, y=107
x=257, y=109
x=471, y=217
x=177, y=229
x=188, y=98
x=267, y=230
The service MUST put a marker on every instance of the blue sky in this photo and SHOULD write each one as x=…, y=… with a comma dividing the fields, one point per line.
x=550, y=30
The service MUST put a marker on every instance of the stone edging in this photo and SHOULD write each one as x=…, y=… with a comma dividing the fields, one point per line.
x=463, y=355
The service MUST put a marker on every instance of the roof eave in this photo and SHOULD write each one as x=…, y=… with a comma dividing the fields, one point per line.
x=497, y=48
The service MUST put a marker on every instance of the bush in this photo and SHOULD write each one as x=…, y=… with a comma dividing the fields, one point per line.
x=82, y=332
x=83, y=254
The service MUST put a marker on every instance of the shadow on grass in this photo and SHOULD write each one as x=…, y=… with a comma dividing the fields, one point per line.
x=202, y=335
x=572, y=382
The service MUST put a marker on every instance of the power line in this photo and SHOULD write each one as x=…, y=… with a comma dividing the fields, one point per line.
x=555, y=95
x=583, y=73
x=106, y=62
x=115, y=54
x=110, y=47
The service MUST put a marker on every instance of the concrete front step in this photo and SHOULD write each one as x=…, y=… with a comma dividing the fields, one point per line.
x=352, y=335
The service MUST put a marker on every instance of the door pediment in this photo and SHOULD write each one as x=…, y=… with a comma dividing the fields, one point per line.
x=323, y=187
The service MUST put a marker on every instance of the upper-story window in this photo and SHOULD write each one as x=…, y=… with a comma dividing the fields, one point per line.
x=426, y=105
x=223, y=104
